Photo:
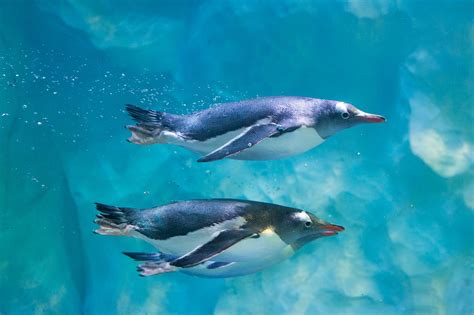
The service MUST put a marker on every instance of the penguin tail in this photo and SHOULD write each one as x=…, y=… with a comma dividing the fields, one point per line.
x=153, y=263
x=150, y=124
x=114, y=220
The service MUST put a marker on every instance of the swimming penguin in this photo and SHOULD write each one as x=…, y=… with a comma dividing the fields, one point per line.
x=214, y=238
x=265, y=128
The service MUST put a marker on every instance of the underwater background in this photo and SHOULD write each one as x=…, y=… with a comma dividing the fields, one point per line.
x=404, y=190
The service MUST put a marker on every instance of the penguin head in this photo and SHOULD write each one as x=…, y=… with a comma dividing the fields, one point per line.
x=302, y=227
x=333, y=116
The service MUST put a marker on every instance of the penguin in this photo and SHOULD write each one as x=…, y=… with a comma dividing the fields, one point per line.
x=213, y=237
x=265, y=128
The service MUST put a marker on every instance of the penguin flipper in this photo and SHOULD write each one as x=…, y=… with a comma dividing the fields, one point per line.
x=246, y=140
x=218, y=244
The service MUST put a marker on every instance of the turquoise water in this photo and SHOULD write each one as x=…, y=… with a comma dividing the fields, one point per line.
x=403, y=190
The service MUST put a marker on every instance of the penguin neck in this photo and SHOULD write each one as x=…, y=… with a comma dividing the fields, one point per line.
x=326, y=121
x=323, y=131
x=321, y=123
x=326, y=126
x=296, y=245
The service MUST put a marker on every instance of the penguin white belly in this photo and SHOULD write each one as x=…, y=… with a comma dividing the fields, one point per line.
x=268, y=244
x=257, y=263
x=288, y=144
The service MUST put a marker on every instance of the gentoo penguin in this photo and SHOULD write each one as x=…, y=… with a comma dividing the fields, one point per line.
x=214, y=238
x=259, y=129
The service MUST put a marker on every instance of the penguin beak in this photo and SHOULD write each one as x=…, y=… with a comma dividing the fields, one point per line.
x=330, y=229
x=369, y=118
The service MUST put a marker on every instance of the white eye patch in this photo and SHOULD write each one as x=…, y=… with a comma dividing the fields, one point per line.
x=302, y=216
x=341, y=107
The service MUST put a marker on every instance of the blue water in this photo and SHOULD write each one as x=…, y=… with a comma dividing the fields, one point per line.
x=404, y=190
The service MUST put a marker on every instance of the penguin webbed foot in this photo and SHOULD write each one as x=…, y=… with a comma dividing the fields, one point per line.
x=151, y=269
x=154, y=263
x=143, y=136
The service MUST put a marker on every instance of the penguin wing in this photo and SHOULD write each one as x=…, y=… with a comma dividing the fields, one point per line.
x=218, y=244
x=247, y=139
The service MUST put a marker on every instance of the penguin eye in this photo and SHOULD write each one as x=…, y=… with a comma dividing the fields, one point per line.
x=345, y=115
x=308, y=224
